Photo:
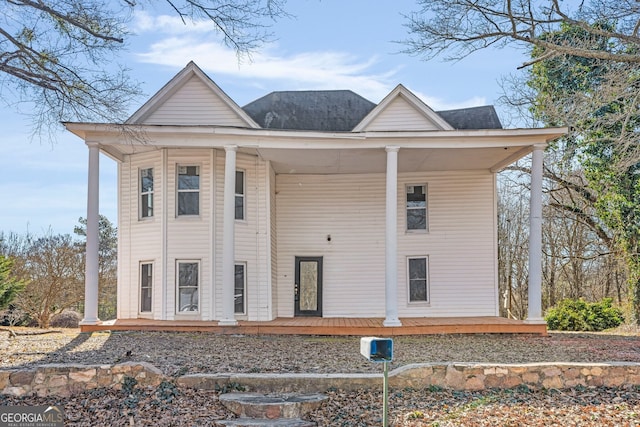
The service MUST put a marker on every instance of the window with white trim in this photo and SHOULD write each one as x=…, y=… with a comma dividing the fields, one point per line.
x=146, y=193
x=188, y=281
x=146, y=286
x=418, y=277
x=416, y=197
x=240, y=289
x=240, y=198
x=188, y=190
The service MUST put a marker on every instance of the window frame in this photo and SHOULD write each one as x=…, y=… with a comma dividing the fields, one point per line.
x=242, y=195
x=178, y=287
x=426, y=280
x=197, y=191
x=141, y=287
x=244, y=289
x=407, y=208
x=143, y=193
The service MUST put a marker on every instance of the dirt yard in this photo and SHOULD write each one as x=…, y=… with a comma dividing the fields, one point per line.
x=179, y=353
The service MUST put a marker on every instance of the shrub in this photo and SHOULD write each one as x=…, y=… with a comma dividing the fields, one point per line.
x=578, y=315
x=13, y=316
x=66, y=319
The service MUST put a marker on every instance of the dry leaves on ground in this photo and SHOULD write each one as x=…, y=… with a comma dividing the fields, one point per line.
x=205, y=352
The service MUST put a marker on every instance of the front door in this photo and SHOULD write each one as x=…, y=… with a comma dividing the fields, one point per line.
x=308, y=286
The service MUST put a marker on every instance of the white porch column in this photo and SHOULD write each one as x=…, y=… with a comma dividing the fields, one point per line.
x=91, y=263
x=534, y=314
x=391, y=240
x=228, y=237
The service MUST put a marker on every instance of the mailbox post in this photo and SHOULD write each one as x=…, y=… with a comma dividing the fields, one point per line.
x=380, y=350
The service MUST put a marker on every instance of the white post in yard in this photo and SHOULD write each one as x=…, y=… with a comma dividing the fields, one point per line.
x=228, y=237
x=391, y=240
x=534, y=314
x=91, y=263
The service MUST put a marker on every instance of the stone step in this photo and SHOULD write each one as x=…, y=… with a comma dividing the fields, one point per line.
x=265, y=422
x=271, y=406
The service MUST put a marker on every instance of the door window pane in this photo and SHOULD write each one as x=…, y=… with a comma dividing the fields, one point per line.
x=308, y=285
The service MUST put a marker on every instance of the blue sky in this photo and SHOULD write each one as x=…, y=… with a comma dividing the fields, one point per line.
x=327, y=44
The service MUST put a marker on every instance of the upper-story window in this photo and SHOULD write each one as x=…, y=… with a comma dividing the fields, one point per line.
x=240, y=197
x=146, y=193
x=188, y=190
x=416, y=207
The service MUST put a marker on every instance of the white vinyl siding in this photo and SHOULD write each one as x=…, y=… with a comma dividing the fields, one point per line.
x=195, y=104
x=291, y=215
x=146, y=234
x=251, y=237
x=400, y=115
x=351, y=208
x=273, y=244
x=190, y=237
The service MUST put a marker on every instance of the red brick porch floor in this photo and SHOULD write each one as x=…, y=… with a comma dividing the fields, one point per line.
x=333, y=326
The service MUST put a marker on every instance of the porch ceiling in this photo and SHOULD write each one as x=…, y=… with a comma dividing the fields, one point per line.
x=292, y=161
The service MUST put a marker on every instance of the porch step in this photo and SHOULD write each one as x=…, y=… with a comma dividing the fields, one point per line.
x=255, y=409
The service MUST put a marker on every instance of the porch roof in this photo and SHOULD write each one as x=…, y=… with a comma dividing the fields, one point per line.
x=316, y=152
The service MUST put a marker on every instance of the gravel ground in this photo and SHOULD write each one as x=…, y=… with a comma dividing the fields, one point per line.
x=177, y=353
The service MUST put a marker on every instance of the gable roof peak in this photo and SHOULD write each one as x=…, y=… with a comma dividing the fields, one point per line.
x=400, y=91
x=190, y=71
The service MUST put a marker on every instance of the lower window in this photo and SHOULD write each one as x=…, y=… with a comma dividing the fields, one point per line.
x=146, y=286
x=188, y=284
x=418, y=273
x=239, y=293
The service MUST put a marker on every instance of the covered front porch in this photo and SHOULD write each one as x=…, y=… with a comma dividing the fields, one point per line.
x=333, y=326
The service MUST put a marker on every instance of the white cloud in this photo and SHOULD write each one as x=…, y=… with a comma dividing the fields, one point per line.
x=143, y=22
x=307, y=70
x=315, y=70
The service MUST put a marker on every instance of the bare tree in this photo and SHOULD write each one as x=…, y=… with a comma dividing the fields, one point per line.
x=52, y=268
x=457, y=28
x=61, y=58
x=513, y=243
x=107, y=264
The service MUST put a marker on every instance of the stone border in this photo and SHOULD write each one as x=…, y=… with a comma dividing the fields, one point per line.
x=64, y=380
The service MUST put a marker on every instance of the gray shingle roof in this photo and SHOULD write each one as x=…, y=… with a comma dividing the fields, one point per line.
x=484, y=117
x=327, y=110
x=342, y=110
